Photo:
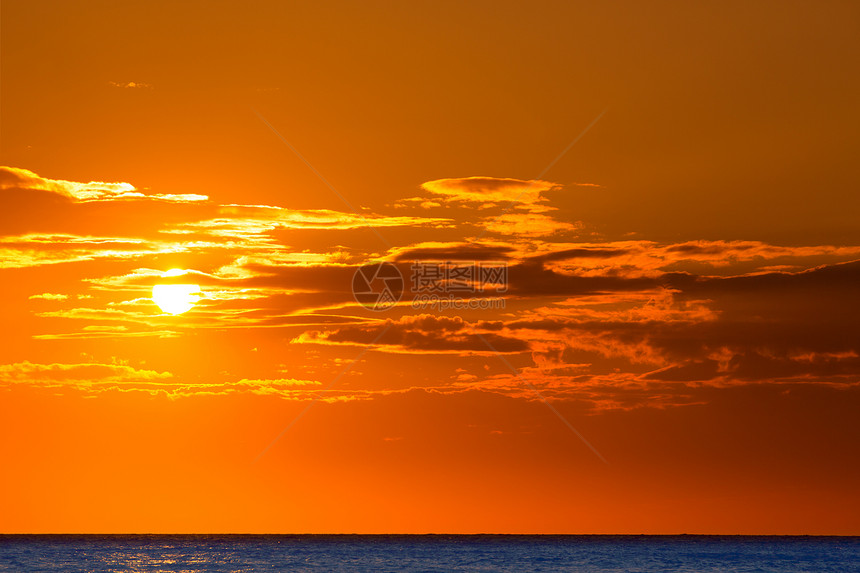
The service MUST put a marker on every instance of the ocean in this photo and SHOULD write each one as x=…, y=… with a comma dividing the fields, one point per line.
x=428, y=553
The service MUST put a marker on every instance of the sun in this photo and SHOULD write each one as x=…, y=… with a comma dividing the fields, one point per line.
x=175, y=298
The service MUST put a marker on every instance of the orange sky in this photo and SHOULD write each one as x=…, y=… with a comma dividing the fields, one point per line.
x=677, y=349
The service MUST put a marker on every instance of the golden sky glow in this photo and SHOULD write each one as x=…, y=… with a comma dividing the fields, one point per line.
x=191, y=187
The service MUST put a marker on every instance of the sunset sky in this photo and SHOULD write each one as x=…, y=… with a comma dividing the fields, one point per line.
x=673, y=189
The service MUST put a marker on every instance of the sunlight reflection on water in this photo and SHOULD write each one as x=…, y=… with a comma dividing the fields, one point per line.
x=193, y=553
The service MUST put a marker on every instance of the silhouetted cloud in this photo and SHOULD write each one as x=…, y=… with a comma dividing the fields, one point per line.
x=422, y=333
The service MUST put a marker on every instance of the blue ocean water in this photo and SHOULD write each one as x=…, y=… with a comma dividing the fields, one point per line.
x=427, y=553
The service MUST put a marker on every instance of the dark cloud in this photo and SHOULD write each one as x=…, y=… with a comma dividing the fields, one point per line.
x=691, y=371
x=455, y=252
x=422, y=333
x=581, y=253
x=532, y=279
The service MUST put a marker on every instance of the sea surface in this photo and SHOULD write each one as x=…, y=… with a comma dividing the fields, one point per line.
x=427, y=553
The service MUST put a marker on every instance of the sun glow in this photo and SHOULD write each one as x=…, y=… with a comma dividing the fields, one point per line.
x=175, y=298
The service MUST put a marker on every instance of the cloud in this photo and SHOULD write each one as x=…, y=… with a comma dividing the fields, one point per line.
x=42, y=249
x=529, y=225
x=524, y=213
x=16, y=178
x=604, y=322
x=584, y=251
x=131, y=85
x=488, y=189
x=740, y=366
x=96, y=378
x=725, y=253
x=81, y=376
x=452, y=252
x=49, y=221
x=775, y=327
x=423, y=333
x=244, y=221
x=49, y=296
x=533, y=280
